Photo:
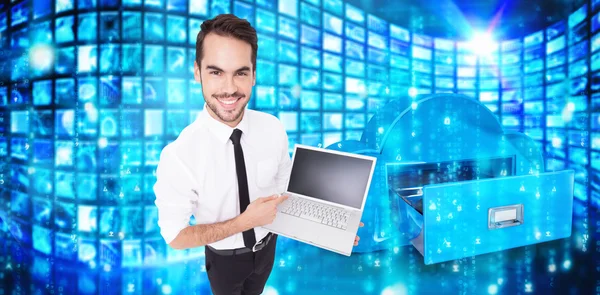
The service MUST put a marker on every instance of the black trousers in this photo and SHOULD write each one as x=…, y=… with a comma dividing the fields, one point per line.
x=241, y=274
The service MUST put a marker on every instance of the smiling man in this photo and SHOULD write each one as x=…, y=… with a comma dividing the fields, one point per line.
x=227, y=167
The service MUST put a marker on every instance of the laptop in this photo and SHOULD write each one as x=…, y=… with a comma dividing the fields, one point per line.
x=327, y=191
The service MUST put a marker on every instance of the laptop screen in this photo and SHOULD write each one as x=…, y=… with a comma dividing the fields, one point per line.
x=331, y=177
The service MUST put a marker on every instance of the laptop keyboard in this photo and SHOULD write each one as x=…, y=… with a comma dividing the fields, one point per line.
x=315, y=211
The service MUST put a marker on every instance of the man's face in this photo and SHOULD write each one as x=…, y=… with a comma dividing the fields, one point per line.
x=227, y=76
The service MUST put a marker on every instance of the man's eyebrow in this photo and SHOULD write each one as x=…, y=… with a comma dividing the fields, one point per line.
x=244, y=68
x=210, y=67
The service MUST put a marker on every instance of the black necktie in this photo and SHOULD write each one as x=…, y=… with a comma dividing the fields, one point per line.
x=240, y=169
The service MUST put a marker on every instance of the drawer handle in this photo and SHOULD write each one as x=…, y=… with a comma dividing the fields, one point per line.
x=505, y=216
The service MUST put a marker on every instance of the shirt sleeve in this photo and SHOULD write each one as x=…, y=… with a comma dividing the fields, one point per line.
x=285, y=164
x=174, y=190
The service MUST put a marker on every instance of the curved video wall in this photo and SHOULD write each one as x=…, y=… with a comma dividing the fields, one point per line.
x=92, y=91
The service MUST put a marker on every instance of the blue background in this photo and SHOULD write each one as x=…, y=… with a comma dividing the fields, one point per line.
x=91, y=91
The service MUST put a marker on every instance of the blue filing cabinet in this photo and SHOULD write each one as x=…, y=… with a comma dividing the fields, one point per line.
x=466, y=218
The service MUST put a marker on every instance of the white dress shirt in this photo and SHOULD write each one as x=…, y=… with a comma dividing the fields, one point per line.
x=196, y=173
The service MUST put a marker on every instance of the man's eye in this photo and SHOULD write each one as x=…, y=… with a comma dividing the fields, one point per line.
x=242, y=74
x=214, y=73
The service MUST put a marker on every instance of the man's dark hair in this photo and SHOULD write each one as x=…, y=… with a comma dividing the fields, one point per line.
x=228, y=25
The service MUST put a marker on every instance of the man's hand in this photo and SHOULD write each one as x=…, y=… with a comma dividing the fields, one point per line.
x=357, y=237
x=261, y=211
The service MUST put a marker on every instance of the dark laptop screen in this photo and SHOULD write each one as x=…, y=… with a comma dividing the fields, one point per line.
x=331, y=177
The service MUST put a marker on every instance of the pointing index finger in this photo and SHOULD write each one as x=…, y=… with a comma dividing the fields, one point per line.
x=281, y=199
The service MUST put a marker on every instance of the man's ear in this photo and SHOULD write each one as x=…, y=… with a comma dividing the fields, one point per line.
x=254, y=78
x=197, y=73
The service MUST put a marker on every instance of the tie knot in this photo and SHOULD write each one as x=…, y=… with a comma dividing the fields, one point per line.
x=235, y=136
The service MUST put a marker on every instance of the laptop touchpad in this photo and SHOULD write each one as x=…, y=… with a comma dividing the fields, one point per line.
x=295, y=227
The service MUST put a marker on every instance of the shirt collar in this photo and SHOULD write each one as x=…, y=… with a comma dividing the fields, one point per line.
x=221, y=130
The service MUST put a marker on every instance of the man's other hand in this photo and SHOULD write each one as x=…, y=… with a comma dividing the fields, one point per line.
x=357, y=237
